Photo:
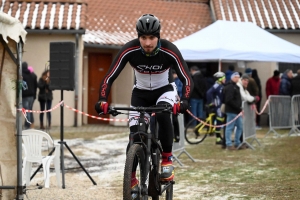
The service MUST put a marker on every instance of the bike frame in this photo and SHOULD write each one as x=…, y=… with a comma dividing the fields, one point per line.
x=209, y=120
x=151, y=145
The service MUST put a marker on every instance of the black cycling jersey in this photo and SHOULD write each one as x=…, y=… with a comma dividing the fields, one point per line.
x=152, y=72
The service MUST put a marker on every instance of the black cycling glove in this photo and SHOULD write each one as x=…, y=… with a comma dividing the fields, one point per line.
x=183, y=106
x=101, y=107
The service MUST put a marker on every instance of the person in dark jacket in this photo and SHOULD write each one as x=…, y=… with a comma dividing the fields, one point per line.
x=273, y=83
x=252, y=86
x=257, y=81
x=45, y=98
x=285, y=87
x=296, y=84
x=30, y=68
x=29, y=88
x=233, y=106
x=198, y=95
x=214, y=97
x=296, y=91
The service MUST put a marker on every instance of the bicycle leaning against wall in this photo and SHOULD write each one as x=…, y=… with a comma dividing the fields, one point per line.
x=147, y=154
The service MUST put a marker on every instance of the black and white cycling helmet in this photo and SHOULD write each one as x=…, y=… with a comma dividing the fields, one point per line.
x=148, y=24
x=219, y=75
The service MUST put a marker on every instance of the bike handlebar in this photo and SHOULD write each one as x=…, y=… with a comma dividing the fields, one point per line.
x=161, y=108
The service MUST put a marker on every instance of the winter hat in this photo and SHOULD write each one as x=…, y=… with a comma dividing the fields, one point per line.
x=276, y=73
x=245, y=76
x=248, y=71
x=235, y=74
x=24, y=65
x=30, y=68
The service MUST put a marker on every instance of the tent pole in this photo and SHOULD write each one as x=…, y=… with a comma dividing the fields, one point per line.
x=19, y=122
x=220, y=65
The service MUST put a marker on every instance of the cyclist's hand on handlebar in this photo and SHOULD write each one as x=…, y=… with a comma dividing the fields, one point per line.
x=181, y=107
x=101, y=107
x=184, y=105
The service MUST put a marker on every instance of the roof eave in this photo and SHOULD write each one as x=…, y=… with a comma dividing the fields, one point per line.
x=47, y=31
x=283, y=30
x=102, y=46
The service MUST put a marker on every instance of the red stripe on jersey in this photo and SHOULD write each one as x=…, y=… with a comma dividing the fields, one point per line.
x=180, y=64
x=118, y=62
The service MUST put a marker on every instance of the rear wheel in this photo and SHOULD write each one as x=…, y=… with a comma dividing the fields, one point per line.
x=135, y=152
x=194, y=134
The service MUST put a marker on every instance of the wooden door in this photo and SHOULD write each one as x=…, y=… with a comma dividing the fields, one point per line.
x=98, y=66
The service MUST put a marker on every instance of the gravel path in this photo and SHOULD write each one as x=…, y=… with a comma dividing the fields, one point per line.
x=104, y=160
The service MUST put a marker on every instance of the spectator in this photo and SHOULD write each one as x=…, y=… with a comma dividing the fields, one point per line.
x=272, y=85
x=198, y=95
x=258, y=83
x=179, y=86
x=229, y=72
x=28, y=93
x=252, y=86
x=246, y=96
x=296, y=91
x=296, y=84
x=45, y=98
x=285, y=87
x=214, y=98
x=233, y=107
x=178, y=83
x=30, y=68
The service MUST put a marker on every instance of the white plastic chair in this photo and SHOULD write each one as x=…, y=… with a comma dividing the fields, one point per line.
x=33, y=142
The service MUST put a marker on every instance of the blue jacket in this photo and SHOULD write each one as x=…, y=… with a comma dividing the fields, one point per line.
x=179, y=86
x=215, y=95
x=285, y=87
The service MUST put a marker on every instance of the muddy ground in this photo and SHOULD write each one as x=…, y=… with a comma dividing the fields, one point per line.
x=271, y=171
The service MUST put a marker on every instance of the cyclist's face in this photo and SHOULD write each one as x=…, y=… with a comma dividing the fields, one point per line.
x=148, y=42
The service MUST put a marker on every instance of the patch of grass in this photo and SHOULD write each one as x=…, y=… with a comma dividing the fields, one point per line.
x=271, y=171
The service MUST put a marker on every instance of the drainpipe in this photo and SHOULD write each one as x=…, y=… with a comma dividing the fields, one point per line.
x=76, y=79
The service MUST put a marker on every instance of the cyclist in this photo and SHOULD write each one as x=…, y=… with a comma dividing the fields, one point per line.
x=152, y=59
x=214, y=98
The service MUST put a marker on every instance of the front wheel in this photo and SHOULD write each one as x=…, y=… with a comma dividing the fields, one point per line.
x=134, y=155
x=169, y=192
x=195, y=132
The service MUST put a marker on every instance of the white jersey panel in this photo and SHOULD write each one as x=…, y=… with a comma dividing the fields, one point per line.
x=151, y=81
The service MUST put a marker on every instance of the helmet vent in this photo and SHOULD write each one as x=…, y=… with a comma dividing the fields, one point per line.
x=153, y=24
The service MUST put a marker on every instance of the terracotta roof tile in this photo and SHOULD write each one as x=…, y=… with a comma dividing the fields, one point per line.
x=47, y=14
x=270, y=14
x=113, y=23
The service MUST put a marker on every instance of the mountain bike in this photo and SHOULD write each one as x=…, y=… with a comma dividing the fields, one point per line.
x=195, y=134
x=147, y=153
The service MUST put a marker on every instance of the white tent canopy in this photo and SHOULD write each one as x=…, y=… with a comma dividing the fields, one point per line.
x=12, y=37
x=236, y=41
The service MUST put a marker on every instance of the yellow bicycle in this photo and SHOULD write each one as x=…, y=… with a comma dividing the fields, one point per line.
x=195, y=134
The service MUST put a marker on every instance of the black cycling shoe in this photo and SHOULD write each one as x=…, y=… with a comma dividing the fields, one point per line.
x=167, y=173
x=219, y=141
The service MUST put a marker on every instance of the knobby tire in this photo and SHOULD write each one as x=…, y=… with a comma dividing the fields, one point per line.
x=135, y=151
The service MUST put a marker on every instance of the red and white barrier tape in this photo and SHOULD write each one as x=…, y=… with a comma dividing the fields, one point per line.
x=211, y=125
x=96, y=117
x=24, y=111
x=263, y=109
